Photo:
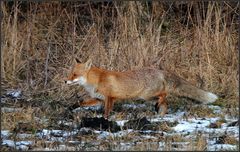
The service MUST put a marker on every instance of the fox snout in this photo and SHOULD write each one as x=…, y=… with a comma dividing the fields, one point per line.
x=80, y=81
x=68, y=82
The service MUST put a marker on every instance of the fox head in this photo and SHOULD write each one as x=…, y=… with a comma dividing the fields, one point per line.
x=79, y=72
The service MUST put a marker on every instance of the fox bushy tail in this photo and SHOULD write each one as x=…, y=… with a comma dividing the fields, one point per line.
x=183, y=88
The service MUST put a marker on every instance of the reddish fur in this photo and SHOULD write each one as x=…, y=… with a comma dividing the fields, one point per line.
x=113, y=85
x=143, y=83
x=90, y=102
x=162, y=103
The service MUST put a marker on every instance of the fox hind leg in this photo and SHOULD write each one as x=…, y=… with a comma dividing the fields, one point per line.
x=111, y=103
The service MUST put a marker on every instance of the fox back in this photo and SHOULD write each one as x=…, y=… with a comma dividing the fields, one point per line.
x=142, y=83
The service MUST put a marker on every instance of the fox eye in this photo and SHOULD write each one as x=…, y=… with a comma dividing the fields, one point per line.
x=74, y=75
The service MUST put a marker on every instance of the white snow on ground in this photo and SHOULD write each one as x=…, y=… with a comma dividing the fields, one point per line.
x=3, y=100
x=46, y=132
x=8, y=110
x=152, y=131
x=221, y=147
x=168, y=117
x=133, y=106
x=106, y=134
x=64, y=122
x=55, y=135
x=5, y=134
x=121, y=122
x=93, y=108
x=124, y=146
x=232, y=131
x=74, y=142
x=194, y=124
x=10, y=143
x=202, y=125
x=14, y=93
x=20, y=145
x=23, y=136
x=161, y=145
x=24, y=143
x=148, y=137
x=216, y=109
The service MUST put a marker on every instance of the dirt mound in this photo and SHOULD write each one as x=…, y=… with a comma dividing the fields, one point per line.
x=100, y=124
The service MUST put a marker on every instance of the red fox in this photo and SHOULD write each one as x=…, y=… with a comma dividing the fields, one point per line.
x=145, y=83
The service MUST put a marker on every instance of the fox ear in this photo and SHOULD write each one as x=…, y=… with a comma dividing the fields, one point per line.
x=88, y=64
x=76, y=59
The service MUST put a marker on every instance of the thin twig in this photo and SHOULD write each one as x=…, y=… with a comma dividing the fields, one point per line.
x=46, y=66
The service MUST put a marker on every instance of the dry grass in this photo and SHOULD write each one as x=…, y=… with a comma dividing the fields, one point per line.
x=231, y=140
x=40, y=41
x=24, y=119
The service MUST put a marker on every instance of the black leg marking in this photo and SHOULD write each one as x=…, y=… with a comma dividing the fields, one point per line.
x=156, y=107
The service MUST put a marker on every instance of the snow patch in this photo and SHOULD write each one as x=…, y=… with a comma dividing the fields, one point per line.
x=22, y=147
x=8, y=110
x=55, y=135
x=121, y=122
x=19, y=145
x=9, y=143
x=105, y=134
x=5, y=134
x=216, y=109
x=93, y=108
x=14, y=93
x=24, y=143
x=22, y=136
x=133, y=106
x=194, y=124
x=222, y=147
x=149, y=137
x=168, y=117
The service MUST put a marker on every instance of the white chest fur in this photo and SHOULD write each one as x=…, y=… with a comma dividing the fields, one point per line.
x=92, y=91
x=89, y=88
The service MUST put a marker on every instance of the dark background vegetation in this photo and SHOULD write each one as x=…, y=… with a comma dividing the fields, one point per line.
x=196, y=40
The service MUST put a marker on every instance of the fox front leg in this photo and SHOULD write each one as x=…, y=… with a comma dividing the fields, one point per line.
x=90, y=102
x=108, y=106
